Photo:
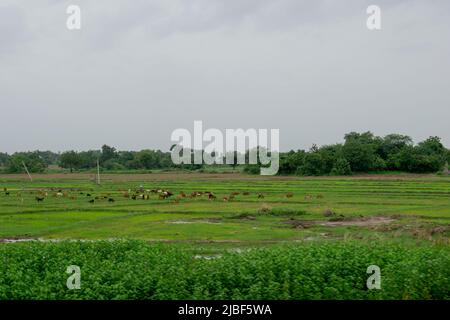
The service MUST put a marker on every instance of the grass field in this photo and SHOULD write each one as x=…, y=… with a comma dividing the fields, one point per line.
x=279, y=215
x=366, y=207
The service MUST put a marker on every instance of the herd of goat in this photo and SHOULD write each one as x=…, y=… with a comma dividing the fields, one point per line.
x=139, y=193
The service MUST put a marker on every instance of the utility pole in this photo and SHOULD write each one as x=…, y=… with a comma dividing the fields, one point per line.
x=26, y=169
x=98, y=172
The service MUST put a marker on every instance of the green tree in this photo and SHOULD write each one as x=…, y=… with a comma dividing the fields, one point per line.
x=107, y=153
x=34, y=163
x=341, y=167
x=70, y=160
x=291, y=161
x=413, y=159
x=432, y=146
x=329, y=155
x=393, y=144
x=89, y=158
x=4, y=157
x=148, y=159
x=48, y=157
x=312, y=165
x=360, y=156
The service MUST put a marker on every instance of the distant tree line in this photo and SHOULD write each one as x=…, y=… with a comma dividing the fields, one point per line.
x=36, y=161
x=360, y=153
x=364, y=152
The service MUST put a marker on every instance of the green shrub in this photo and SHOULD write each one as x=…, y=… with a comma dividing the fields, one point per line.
x=138, y=270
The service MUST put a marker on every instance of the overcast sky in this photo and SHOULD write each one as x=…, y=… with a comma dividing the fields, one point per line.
x=137, y=70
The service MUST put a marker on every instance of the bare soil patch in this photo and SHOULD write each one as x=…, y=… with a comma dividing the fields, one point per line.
x=164, y=176
x=244, y=216
x=207, y=221
x=372, y=221
x=361, y=222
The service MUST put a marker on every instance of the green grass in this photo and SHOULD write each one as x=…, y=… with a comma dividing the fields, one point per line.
x=290, y=248
x=424, y=200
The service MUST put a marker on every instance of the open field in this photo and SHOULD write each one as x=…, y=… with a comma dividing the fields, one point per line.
x=326, y=208
x=315, y=236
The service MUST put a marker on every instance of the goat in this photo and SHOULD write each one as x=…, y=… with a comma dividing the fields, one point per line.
x=211, y=196
x=165, y=195
x=39, y=199
x=196, y=194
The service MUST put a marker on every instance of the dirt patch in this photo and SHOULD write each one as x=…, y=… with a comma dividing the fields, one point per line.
x=141, y=177
x=439, y=230
x=360, y=222
x=244, y=216
x=209, y=221
x=417, y=229
x=179, y=222
x=366, y=222
x=299, y=224
x=16, y=239
x=168, y=176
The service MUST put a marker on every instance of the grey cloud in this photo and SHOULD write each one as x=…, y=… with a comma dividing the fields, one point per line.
x=139, y=69
x=14, y=30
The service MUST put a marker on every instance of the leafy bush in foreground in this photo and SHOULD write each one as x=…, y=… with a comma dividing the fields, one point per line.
x=137, y=270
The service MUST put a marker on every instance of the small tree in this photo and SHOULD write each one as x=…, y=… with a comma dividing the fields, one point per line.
x=70, y=160
x=107, y=153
